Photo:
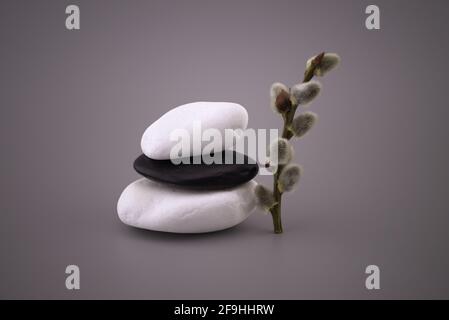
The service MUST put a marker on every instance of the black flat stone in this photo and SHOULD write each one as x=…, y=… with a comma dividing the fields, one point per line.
x=199, y=176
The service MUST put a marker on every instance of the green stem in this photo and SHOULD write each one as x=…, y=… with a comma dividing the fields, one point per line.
x=287, y=134
x=276, y=210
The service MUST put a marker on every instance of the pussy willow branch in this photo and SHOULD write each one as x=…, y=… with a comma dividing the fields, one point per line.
x=287, y=134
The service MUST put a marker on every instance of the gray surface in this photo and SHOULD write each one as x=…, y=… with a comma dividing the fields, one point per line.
x=74, y=106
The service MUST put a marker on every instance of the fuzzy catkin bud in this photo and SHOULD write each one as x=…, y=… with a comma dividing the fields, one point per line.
x=303, y=123
x=328, y=62
x=280, y=97
x=283, y=102
x=289, y=177
x=264, y=197
x=304, y=93
x=281, y=151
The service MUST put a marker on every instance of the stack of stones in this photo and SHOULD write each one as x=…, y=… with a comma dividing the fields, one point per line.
x=190, y=195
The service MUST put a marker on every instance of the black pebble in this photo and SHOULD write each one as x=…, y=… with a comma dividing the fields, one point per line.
x=198, y=176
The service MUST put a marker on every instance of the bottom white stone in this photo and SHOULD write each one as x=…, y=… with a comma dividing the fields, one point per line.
x=151, y=205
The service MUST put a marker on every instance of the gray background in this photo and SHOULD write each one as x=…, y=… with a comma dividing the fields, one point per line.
x=75, y=103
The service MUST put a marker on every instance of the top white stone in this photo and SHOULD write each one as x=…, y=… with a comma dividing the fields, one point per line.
x=156, y=143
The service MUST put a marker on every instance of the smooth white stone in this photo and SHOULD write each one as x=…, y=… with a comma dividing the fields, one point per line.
x=151, y=205
x=156, y=142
